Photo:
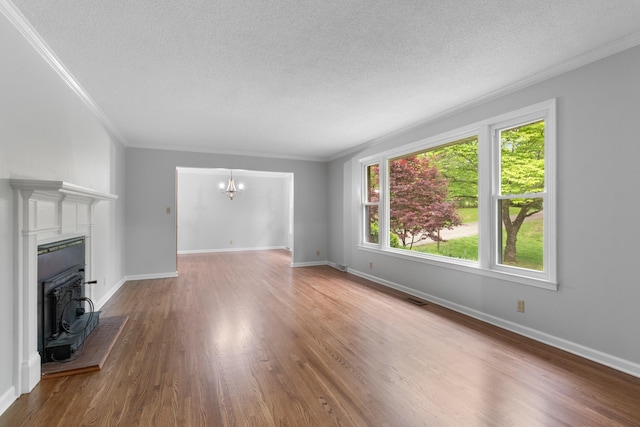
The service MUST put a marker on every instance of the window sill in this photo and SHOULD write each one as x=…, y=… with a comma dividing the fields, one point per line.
x=462, y=265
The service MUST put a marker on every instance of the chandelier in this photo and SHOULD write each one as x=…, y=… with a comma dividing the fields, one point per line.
x=231, y=190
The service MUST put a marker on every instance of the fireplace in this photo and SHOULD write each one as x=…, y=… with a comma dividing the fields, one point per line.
x=46, y=212
x=63, y=319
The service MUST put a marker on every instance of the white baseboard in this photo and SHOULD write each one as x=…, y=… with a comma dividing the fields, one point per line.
x=7, y=398
x=151, y=276
x=309, y=264
x=597, y=356
x=31, y=372
x=104, y=299
x=208, y=251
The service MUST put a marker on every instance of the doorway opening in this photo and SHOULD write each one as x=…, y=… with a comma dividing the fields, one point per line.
x=258, y=217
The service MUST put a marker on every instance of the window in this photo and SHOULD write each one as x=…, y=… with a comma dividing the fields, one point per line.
x=478, y=199
x=371, y=203
x=431, y=194
x=520, y=198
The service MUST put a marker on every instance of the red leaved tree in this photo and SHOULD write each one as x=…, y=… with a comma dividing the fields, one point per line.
x=418, y=200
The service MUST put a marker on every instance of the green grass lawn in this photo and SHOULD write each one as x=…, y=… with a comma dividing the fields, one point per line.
x=529, y=248
x=463, y=248
x=471, y=214
x=468, y=214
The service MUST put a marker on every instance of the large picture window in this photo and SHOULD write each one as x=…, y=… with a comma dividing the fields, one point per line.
x=479, y=199
x=434, y=200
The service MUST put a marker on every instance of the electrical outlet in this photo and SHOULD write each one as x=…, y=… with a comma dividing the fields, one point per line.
x=371, y=265
x=317, y=253
x=520, y=306
x=231, y=242
x=168, y=211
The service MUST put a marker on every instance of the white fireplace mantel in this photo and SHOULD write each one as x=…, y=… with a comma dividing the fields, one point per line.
x=44, y=212
x=59, y=189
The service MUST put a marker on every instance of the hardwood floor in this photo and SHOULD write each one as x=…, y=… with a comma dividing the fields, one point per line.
x=242, y=339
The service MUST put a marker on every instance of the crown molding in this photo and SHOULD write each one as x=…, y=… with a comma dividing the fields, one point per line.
x=214, y=150
x=13, y=14
x=17, y=19
x=581, y=60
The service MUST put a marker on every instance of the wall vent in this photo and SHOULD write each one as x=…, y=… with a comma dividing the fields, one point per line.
x=416, y=301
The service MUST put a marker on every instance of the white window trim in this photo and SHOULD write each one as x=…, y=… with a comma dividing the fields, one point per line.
x=488, y=193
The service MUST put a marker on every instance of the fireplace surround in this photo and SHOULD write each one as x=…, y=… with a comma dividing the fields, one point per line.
x=44, y=212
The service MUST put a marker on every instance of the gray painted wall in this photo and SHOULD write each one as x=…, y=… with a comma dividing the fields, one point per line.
x=336, y=213
x=209, y=221
x=47, y=133
x=151, y=243
x=595, y=311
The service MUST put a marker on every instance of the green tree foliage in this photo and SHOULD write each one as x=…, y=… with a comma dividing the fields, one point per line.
x=522, y=172
x=459, y=164
x=522, y=159
x=419, y=202
x=373, y=183
x=394, y=242
x=373, y=196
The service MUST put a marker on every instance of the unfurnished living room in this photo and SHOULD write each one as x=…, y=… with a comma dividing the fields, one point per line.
x=319, y=213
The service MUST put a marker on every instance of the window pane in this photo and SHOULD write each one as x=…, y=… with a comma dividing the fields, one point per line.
x=433, y=198
x=522, y=159
x=522, y=233
x=373, y=183
x=371, y=224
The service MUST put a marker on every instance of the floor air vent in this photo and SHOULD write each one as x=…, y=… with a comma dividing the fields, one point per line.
x=416, y=301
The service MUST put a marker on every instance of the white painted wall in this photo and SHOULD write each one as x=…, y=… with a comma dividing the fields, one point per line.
x=47, y=133
x=595, y=311
x=208, y=221
x=151, y=238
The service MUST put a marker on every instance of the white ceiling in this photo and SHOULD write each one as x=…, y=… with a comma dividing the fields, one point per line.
x=310, y=78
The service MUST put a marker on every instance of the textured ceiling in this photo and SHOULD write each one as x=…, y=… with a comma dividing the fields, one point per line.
x=308, y=79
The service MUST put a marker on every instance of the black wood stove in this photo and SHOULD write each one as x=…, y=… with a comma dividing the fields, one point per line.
x=63, y=320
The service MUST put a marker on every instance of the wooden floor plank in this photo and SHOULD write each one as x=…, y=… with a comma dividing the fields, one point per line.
x=243, y=339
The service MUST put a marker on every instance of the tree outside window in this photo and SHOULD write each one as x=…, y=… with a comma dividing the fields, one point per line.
x=428, y=190
x=485, y=201
x=522, y=187
x=372, y=201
